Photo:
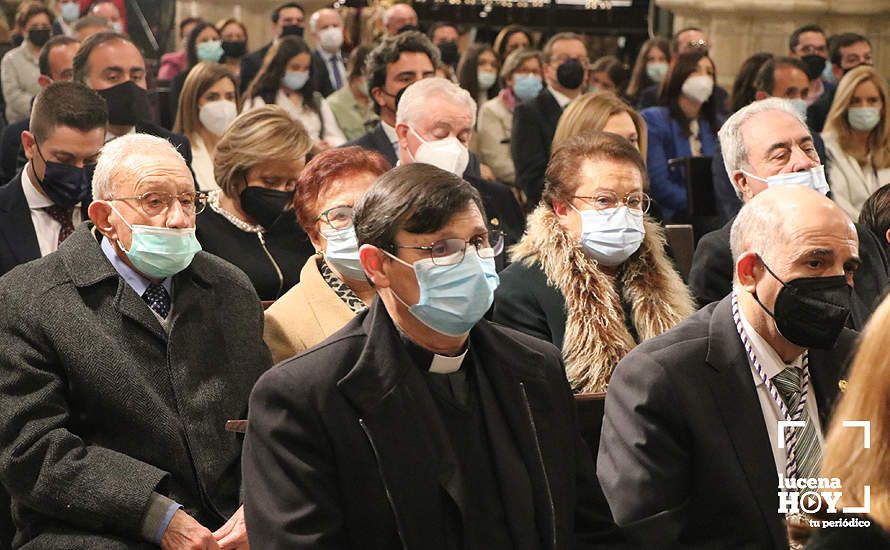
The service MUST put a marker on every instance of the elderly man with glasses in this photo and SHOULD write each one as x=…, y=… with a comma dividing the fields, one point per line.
x=123, y=354
x=420, y=424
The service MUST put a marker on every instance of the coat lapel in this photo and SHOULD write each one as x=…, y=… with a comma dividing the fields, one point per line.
x=15, y=223
x=383, y=144
x=398, y=416
x=732, y=386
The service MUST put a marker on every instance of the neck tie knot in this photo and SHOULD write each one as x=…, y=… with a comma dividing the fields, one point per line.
x=62, y=214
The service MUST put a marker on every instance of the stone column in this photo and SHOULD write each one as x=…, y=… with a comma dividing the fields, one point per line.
x=740, y=28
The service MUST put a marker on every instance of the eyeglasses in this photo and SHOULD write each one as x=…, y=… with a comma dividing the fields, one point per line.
x=154, y=203
x=698, y=45
x=338, y=217
x=609, y=199
x=451, y=251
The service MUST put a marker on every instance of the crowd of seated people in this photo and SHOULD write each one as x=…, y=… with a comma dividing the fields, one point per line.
x=396, y=287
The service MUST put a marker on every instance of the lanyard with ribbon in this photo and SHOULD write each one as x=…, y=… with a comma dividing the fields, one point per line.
x=790, y=434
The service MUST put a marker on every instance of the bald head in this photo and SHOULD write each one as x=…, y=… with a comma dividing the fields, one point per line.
x=781, y=223
x=397, y=17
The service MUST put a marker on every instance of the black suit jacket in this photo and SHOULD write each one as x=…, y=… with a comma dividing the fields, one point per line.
x=12, y=154
x=527, y=302
x=18, y=240
x=344, y=449
x=710, y=278
x=685, y=458
x=533, y=127
x=320, y=74
x=251, y=65
x=100, y=406
x=818, y=111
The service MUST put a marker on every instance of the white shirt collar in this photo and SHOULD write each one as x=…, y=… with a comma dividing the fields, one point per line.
x=769, y=360
x=443, y=364
x=561, y=98
x=36, y=199
x=390, y=132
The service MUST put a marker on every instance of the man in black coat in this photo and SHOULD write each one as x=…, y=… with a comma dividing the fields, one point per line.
x=565, y=72
x=328, y=66
x=434, y=123
x=423, y=425
x=846, y=51
x=110, y=64
x=122, y=359
x=691, y=447
x=41, y=205
x=764, y=139
x=287, y=19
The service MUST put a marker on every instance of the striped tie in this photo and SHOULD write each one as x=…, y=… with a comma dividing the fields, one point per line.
x=807, y=451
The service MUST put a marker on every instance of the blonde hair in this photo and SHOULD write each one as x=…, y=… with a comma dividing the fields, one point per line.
x=259, y=135
x=837, y=124
x=591, y=111
x=201, y=78
x=867, y=397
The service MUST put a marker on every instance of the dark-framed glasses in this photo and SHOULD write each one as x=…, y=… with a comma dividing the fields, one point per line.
x=338, y=217
x=603, y=200
x=154, y=203
x=452, y=251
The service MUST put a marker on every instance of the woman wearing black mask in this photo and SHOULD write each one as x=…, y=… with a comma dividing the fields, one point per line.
x=234, y=44
x=250, y=222
x=19, y=71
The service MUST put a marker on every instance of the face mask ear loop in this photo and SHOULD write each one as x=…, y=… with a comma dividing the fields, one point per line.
x=119, y=244
x=770, y=271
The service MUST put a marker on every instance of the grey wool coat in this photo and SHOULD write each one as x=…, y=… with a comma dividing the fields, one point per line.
x=100, y=407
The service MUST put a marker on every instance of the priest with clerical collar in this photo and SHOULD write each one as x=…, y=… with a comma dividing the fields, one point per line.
x=420, y=424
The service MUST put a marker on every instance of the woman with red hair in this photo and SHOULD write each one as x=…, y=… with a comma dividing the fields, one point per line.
x=332, y=287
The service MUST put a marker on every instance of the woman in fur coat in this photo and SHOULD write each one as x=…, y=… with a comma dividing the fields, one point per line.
x=590, y=274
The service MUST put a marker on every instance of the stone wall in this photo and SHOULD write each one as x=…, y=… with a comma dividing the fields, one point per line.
x=739, y=28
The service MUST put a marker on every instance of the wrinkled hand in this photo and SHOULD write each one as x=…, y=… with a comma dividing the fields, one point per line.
x=185, y=533
x=233, y=535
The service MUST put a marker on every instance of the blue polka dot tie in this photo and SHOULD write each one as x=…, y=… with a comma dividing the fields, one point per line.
x=157, y=299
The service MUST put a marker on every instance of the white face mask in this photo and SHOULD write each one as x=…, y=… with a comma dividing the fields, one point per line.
x=449, y=154
x=611, y=236
x=330, y=39
x=698, y=88
x=814, y=178
x=217, y=115
x=486, y=79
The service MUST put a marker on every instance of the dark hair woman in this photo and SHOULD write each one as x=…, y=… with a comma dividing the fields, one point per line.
x=477, y=72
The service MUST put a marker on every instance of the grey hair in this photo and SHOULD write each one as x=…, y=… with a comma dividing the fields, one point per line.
x=389, y=11
x=126, y=156
x=517, y=58
x=735, y=153
x=313, y=19
x=412, y=104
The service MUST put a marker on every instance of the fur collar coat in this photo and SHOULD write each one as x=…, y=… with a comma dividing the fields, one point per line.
x=596, y=336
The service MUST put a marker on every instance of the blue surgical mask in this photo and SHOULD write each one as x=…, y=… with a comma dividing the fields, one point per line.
x=210, y=51
x=295, y=80
x=526, y=87
x=814, y=178
x=453, y=298
x=160, y=252
x=70, y=11
x=864, y=119
x=612, y=235
x=342, y=252
x=828, y=74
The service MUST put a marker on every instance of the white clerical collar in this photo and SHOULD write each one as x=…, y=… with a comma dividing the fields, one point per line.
x=443, y=364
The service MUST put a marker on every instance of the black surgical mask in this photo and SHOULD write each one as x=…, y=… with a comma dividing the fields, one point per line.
x=233, y=49
x=291, y=30
x=265, y=205
x=449, y=53
x=127, y=104
x=39, y=37
x=815, y=65
x=570, y=74
x=811, y=311
x=66, y=185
